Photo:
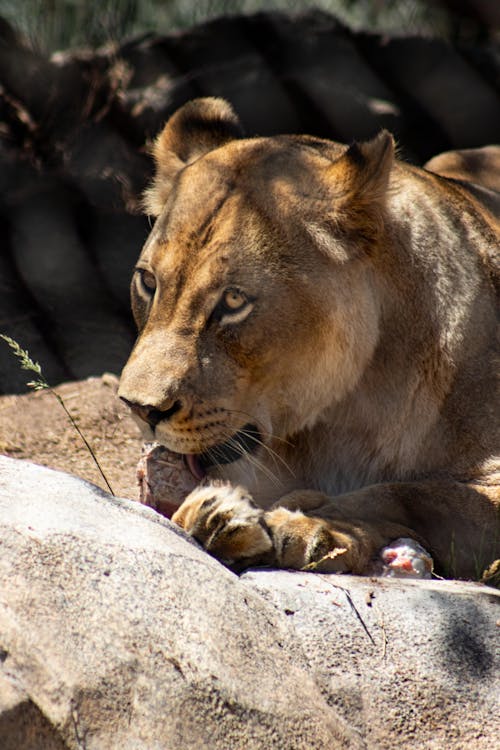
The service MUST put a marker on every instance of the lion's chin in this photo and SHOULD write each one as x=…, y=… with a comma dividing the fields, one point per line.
x=243, y=442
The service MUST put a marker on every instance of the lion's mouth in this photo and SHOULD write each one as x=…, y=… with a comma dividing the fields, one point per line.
x=242, y=442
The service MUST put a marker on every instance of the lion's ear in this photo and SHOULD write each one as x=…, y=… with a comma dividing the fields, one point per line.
x=357, y=186
x=362, y=173
x=195, y=129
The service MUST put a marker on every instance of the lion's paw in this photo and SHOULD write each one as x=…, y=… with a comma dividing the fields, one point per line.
x=305, y=543
x=226, y=521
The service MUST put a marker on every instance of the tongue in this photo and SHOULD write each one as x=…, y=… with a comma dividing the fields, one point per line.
x=194, y=465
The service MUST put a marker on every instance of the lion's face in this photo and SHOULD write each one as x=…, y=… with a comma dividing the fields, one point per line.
x=255, y=298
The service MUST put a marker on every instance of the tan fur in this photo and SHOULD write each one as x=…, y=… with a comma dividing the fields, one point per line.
x=366, y=357
x=478, y=165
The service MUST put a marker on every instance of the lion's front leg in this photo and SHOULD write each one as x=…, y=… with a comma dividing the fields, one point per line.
x=458, y=523
x=305, y=542
x=226, y=521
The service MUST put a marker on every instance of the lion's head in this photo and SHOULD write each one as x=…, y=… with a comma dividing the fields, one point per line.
x=255, y=295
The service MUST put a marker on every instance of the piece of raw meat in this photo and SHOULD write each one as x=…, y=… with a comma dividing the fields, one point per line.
x=164, y=479
x=403, y=558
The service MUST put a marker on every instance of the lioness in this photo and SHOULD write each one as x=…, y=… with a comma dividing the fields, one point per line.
x=317, y=328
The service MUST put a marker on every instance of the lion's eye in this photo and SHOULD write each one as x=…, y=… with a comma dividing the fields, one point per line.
x=148, y=280
x=233, y=307
x=234, y=300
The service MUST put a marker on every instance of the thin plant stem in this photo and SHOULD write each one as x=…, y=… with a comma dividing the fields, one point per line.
x=40, y=384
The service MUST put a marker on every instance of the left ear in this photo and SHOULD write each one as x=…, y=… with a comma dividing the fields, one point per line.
x=357, y=185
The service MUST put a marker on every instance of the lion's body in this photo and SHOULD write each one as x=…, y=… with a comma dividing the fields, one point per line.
x=359, y=346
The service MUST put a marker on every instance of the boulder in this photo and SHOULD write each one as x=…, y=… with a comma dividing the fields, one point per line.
x=413, y=664
x=118, y=631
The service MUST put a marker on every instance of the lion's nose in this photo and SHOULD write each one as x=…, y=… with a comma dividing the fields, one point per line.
x=151, y=414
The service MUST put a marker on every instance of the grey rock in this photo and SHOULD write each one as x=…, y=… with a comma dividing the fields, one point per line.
x=411, y=662
x=118, y=632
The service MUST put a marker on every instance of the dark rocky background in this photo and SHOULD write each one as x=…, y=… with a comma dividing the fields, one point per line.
x=74, y=128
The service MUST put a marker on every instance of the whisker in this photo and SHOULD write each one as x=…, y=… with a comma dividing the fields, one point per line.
x=253, y=460
x=212, y=458
x=274, y=455
x=260, y=426
x=244, y=454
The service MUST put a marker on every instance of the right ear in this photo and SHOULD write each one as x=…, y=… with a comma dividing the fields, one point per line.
x=195, y=129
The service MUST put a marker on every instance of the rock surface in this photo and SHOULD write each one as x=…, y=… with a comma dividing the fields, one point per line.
x=116, y=631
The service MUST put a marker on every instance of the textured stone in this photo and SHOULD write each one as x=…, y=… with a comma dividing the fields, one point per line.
x=121, y=633
x=415, y=663
x=117, y=631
